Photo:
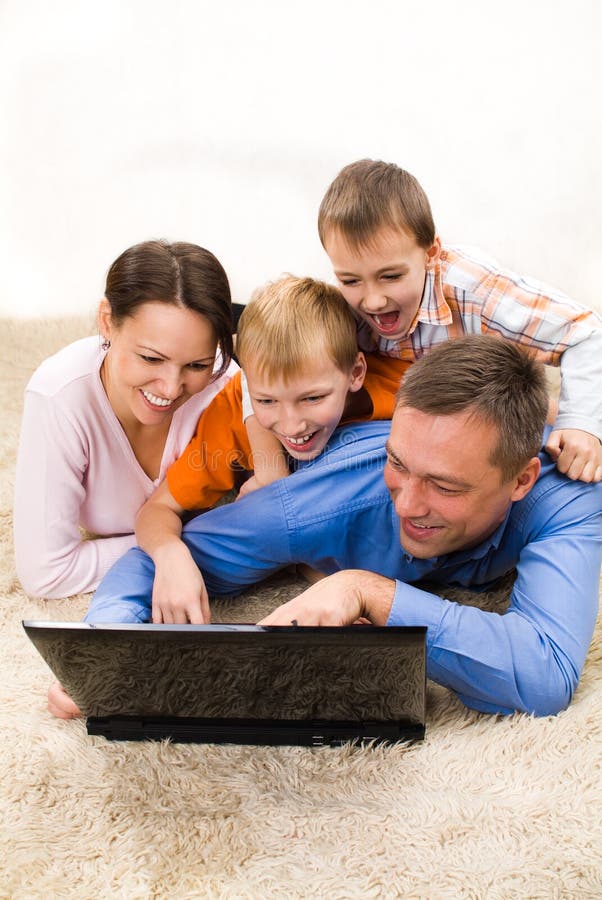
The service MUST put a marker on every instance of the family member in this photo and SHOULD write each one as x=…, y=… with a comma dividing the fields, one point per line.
x=297, y=347
x=409, y=294
x=103, y=421
x=466, y=498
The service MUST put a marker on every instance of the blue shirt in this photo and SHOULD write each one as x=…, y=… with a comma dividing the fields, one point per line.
x=336, y=513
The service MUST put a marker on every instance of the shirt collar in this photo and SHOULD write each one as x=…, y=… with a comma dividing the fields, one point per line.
x=433, y=309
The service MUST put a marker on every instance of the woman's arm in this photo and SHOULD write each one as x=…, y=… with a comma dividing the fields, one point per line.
x=52, y=559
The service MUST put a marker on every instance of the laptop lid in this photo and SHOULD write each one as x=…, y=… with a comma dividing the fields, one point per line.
x=241, y=683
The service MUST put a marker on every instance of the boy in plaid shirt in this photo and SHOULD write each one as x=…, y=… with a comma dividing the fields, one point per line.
x=409, y=294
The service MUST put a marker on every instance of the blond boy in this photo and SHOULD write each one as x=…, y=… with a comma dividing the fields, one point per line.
x=297, y=346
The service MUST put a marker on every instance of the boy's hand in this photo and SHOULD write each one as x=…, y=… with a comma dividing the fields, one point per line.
x=252, y=484
x=179, y=592
x=60, y=703
x=578, y=454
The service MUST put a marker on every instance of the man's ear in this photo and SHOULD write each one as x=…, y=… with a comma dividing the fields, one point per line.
x=433, y=253
x=526, y=479
x=105, y=320
x=358, y=373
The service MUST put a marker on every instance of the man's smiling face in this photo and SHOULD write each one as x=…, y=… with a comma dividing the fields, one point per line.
x=447, y=493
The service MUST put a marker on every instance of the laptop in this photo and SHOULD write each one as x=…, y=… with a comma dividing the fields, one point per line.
x=243, y=684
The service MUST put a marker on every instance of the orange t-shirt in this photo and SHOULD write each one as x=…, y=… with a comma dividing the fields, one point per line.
x=204, y=472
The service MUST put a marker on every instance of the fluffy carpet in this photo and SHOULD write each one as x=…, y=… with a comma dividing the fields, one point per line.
x=485, y=807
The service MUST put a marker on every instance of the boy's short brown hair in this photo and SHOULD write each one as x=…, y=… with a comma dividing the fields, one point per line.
x=295, y=321
x=369, y=195
x=493, y=379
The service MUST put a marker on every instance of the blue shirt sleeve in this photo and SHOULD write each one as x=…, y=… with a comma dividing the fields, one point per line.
x=330, y=513
x=530, y=658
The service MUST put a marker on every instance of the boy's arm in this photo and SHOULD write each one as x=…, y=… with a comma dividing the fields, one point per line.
x=577, y=454
x=574, y=444
x=179, y=593
x=269, y=458
x=563, y=333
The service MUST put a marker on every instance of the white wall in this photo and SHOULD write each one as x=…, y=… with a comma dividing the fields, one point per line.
x=223, y=123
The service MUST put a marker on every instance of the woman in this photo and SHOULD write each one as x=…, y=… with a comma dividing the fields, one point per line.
x=103, y=420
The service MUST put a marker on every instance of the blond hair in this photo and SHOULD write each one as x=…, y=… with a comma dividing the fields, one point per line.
x=369, y=195
x=292, y=322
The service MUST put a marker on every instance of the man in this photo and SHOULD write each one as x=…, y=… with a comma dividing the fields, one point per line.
x=466, y=498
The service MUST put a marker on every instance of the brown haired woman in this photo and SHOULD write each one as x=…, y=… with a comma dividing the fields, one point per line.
x=101, y=424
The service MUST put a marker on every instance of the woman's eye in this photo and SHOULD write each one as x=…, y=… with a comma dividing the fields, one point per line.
x=199, y=366
x=150, y=359
x=348, y=282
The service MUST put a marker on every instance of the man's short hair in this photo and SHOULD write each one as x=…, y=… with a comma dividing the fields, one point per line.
x=498, y=381
x=293, y=322
x=369, y=195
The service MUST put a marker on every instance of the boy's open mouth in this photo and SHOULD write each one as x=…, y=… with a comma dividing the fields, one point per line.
x=387, y=322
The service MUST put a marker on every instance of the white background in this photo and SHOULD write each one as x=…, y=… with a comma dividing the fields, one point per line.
x=223, y=122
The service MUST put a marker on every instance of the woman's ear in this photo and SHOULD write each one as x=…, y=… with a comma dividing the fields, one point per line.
x=105, y=320
x=358, y=372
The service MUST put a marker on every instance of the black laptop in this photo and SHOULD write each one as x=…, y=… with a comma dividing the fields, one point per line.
x=244, y=684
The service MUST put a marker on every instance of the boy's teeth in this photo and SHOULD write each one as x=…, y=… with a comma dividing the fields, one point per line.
x=386, y=318
x=156, y=401
x=301, y=440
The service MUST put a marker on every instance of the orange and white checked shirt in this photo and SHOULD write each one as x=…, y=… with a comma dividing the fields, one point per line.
x=468, y=293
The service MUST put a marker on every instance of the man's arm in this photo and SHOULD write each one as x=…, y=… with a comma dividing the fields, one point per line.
x=323, y=515
x=531, y=657
x=528, y=659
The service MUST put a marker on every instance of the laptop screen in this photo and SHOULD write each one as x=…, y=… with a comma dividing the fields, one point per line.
x=239, y=672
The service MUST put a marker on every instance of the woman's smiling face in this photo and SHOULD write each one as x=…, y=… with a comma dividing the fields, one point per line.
x=158, y=358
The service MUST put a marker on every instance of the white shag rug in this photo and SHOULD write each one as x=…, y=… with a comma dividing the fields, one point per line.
x=486, y=807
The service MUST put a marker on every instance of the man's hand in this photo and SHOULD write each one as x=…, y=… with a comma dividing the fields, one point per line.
x=577, y=454
x=340, y=599
x=179, y=592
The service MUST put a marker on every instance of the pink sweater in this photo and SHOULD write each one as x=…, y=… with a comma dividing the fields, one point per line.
x=75, y=468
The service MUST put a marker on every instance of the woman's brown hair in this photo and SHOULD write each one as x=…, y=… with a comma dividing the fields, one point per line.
x=180, y=273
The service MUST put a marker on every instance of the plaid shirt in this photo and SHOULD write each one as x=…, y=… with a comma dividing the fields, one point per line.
x=468, y=293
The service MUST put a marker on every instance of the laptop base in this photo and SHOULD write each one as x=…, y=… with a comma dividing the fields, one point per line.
x=180, y=729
